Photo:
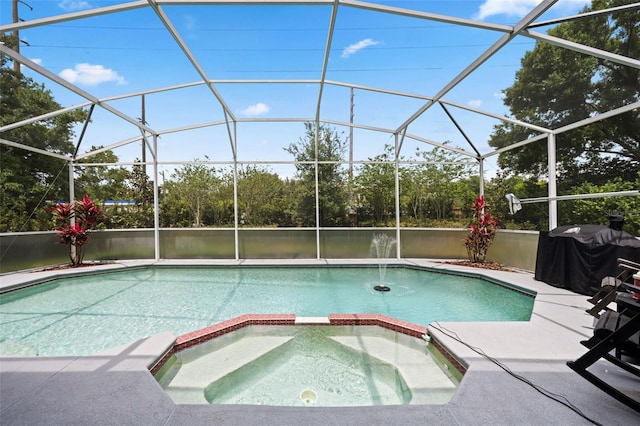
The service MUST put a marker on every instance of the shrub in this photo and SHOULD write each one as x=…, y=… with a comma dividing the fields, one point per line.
x=481, y=231
x=74, y=222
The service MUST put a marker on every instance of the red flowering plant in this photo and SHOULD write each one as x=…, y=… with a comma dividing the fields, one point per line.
x=481, y=231
x=74, y=222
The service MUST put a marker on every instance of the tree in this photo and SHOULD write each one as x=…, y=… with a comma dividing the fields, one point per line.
x=533, y=216
x=288, y=208
x=331, y=178
x=260, y=196
x=376, y=185
x=174, y=210
x=141, y=191
x=440, y=173
x=596, y=210
x=26, y=177
x=556, y=86
x=431, y=188
x=102, y=182
x=412, y=197
x=193, y=186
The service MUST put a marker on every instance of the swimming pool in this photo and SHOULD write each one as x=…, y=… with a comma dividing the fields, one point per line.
x=90, y=313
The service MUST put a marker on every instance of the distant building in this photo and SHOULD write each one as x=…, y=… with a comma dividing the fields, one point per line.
x=119, y=203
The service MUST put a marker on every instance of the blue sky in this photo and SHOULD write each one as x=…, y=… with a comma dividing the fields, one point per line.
x=131, y=51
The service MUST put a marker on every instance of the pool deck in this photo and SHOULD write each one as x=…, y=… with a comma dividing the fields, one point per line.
x=116, y=388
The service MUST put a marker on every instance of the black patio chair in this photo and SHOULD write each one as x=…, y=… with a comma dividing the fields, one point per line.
x=611, y=286
x=616, y=338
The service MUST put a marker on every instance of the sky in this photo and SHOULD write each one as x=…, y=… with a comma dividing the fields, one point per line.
x=131, y=51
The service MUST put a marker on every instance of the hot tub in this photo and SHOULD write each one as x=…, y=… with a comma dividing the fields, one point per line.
x=309, y=365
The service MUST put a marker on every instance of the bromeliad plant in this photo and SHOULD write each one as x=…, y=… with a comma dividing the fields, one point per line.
x=481, y=231
x=73, y=222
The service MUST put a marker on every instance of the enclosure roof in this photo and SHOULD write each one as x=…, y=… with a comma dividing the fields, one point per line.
x=426, y=72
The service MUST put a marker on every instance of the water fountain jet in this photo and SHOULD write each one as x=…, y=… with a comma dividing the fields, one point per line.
x=381, y=245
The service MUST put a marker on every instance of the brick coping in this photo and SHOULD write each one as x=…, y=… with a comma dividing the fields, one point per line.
x=205, y=334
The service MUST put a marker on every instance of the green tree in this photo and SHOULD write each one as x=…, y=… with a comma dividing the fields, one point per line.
x=432, y=188
x=288, y=208
x=193, y=186
x=441, y=173
x=260, y=197
x=141, y=191
x=596, y=210
x=331, y=176
x=376, y=185
x=220, y=211
x=174, y=210
x=533, y=216
x=27, y=179
x=412, y=196
x=102, y=182
x=556, y=86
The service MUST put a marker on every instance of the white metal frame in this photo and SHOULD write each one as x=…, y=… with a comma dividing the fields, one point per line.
x=525, y=27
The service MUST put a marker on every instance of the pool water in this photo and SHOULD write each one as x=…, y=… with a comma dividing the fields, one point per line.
x=87, y=314
x=326, y=366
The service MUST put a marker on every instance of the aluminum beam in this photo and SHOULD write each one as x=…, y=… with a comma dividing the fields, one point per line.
x=33, y=23
x=185, y=49
x=503, y=41
x=378, y=90
x=516, y=145
x=325, y=60
x=599, y=117
x=109, y=147
x=460, y=129
x=194, y=62
x=428, y=16
x=43, y=117
x=593, y=13
x=582, y=196
x=568, y=127
x=581, y=48
x=500, y=117
x=32, y=149
x=247, y=2
x=73, y=88
x=552, y=188
x=441, y=145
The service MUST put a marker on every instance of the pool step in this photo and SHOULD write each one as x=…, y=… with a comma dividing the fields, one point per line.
x=422, y=374
x=188, y=386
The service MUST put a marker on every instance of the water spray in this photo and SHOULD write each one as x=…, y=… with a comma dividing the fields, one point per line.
x=381, y=244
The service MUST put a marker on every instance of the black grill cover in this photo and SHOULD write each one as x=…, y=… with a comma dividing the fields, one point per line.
x=577, y=257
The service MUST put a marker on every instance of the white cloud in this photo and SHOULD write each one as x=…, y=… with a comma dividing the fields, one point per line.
x=499, y=95
x=476, y=103
x=91, y=75
x=257, y=109
x=73, y=5
x=519, y=8
x=355, y=47
x=37, y=61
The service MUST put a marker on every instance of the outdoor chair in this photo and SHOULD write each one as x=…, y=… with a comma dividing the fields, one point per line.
x=616, y=338
x=611, y=286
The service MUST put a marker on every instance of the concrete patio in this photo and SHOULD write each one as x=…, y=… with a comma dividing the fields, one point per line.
x=115, y=387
